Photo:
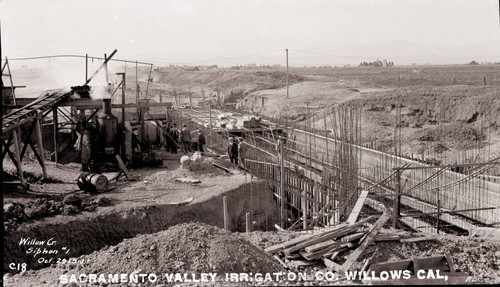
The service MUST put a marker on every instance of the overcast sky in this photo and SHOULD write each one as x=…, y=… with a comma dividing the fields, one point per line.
x=232, y=32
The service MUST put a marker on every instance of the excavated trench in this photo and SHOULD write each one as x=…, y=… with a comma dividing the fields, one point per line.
x=86, y=234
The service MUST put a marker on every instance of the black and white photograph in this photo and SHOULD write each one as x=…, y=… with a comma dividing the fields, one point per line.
x=250, y=142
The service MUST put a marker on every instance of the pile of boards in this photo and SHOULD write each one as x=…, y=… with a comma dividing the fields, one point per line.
x=328, y=244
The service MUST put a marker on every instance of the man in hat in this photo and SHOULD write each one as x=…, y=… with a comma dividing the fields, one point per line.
x=242, y=152
x=201, y=141
x=186, y=138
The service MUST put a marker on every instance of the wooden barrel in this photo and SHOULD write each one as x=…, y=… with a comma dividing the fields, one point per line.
x=92, y=182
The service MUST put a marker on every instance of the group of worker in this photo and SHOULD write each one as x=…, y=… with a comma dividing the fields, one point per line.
x=237, y=149
x=190, y=140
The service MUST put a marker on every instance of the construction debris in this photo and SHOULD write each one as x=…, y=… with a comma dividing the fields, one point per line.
x=329, y=243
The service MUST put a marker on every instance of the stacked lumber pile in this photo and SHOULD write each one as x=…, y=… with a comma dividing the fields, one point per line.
x=327, y=245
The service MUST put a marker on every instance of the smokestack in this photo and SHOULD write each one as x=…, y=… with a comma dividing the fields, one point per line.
x=107, y=106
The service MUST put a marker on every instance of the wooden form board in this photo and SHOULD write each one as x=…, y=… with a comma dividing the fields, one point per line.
x=357, y=207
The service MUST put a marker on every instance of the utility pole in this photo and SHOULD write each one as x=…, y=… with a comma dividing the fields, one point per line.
x=108, y=87
x=286, y=73
x=86, y=67
x=136, y=83
x=123, y=96
x=175, y=97
x=282, y=185
x=189, y=93
x=210, y=115
x=161, y=95
x=137, y=89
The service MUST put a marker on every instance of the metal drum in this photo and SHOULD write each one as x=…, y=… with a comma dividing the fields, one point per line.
x=92, y=182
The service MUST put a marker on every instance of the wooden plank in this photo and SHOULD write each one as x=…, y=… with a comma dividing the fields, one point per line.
x=352, y=237
x=319, y=253
x=334, y=254
x=39, y=120
x=123, y=167
x=221, y=167
x=321, y=245
x=18, y=158
x=286, y=244
x=357, y=207
x=371, y=235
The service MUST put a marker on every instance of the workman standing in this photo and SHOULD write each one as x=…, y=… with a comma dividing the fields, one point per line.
x=174, y=136
x=195, y=136
x=232, y=150
x=242, y=152
x=166, y=140
x=201, y=141
x=186, y=138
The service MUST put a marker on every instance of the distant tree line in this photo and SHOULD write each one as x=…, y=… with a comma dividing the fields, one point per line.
x=254, y=66
x=377, y=63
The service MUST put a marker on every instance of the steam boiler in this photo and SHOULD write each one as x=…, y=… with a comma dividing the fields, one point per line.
x=101, y=142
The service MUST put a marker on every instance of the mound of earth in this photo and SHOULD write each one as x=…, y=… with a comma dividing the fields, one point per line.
x=189, y=247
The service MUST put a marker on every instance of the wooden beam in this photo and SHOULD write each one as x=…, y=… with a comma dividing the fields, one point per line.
x=7, y=149
x=28, y=137
x=123, y=167
x=55, y=127
x=39, y=120
x=357, y=207
x=18, y=157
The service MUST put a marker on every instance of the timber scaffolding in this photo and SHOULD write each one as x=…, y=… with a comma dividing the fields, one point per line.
x=70, y=110
x=326, y=170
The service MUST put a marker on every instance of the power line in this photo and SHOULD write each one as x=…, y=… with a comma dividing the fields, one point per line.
x=144, y=62
x=75, y=56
